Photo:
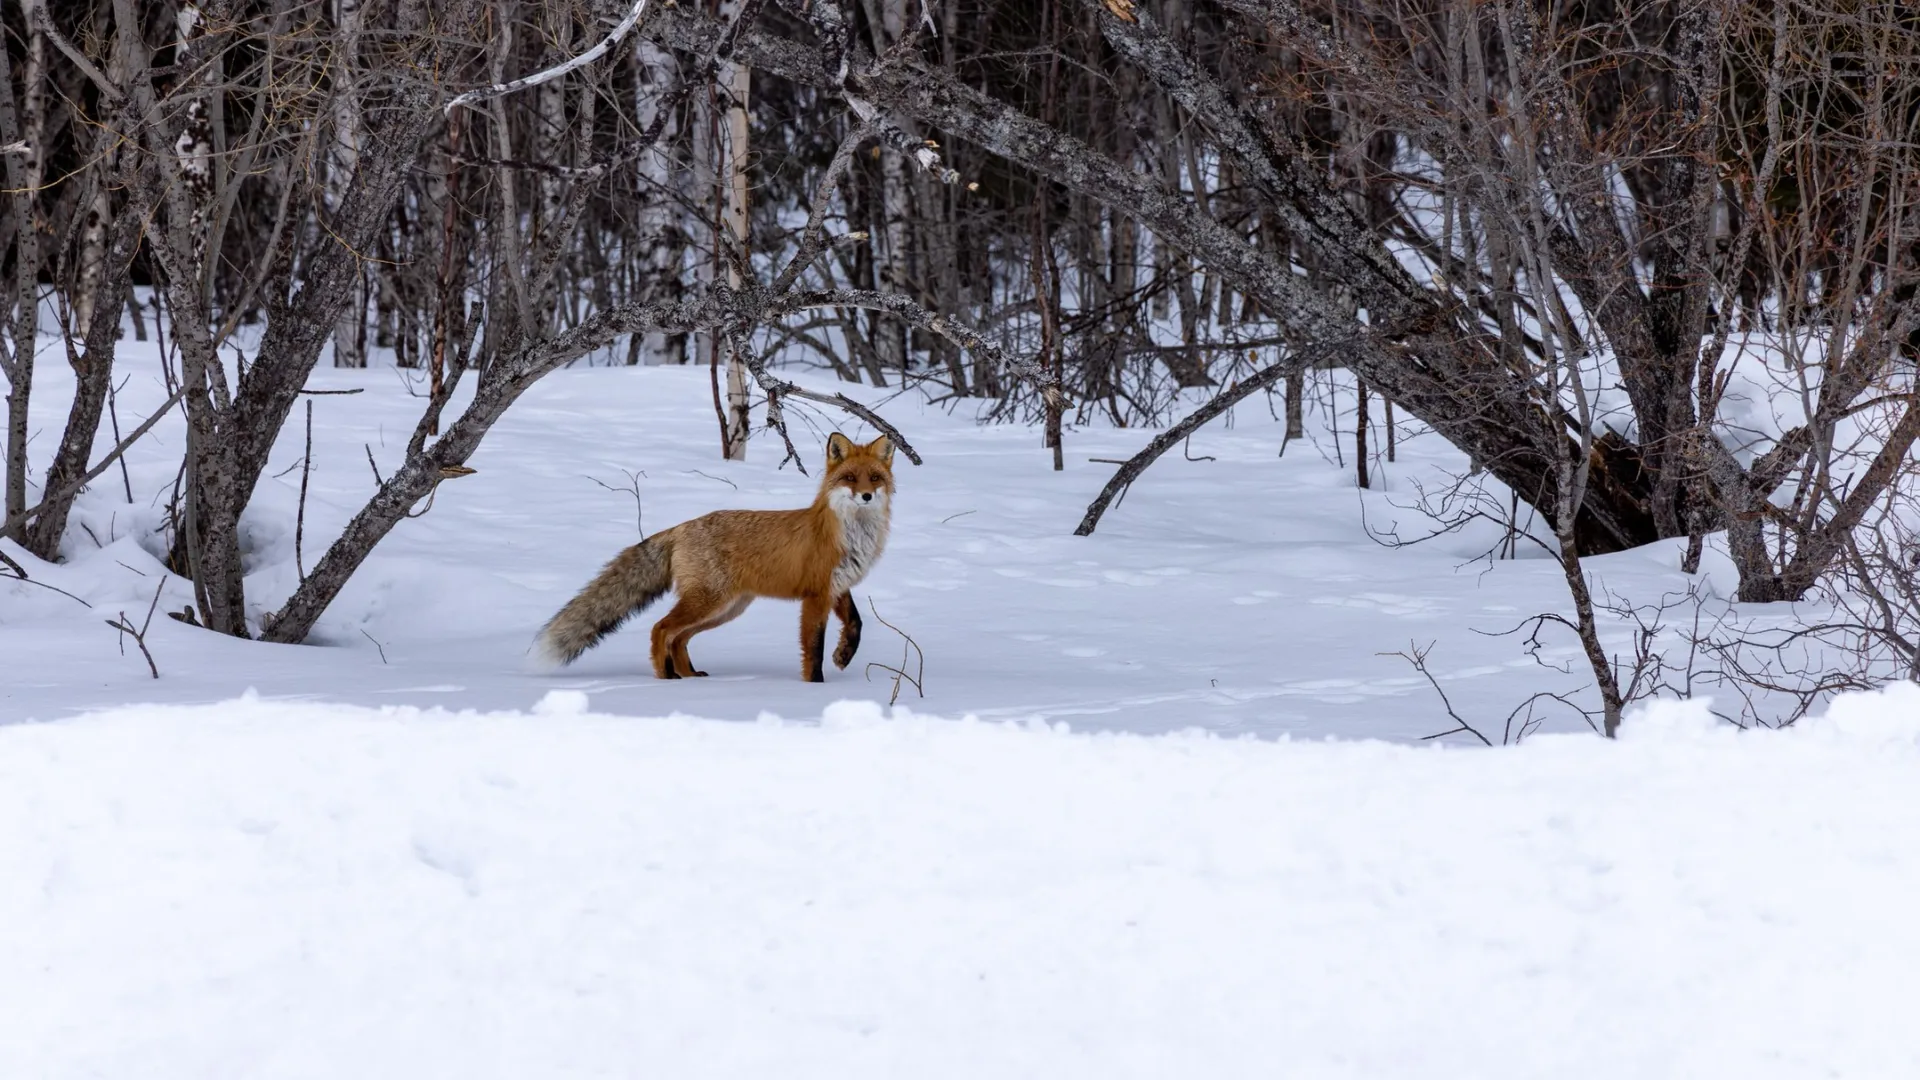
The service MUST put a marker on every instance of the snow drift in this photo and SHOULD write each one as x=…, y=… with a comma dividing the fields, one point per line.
x=291, y=889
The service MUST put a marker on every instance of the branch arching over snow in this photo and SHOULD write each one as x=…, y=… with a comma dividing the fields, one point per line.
x=487, y=93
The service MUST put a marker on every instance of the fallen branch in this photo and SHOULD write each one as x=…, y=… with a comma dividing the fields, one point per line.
x=140, y=636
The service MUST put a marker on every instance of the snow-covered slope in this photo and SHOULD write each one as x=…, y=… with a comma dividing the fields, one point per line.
x=279, y=890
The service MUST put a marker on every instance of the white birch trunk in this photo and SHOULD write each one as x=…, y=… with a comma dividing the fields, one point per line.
x=350, y=333
x=738, y=81
x=896, y=208
x=663, y=230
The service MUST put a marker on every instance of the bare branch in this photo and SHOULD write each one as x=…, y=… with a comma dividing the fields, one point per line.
x=487, y=93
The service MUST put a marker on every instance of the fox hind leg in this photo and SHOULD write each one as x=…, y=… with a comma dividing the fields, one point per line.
x=678, y=644
x=813, y=636
x=849, y=614
x=693, y=609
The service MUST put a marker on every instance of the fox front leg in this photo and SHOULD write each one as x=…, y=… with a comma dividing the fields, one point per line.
x=813, y=637
x=849, y=615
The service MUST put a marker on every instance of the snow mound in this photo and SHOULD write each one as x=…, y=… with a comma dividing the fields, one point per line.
x=271, y=888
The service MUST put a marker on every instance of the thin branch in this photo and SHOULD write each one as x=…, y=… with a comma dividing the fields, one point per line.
x=300, y=516
x=911, y=650
x=1417, y=656
x=487, y=93
x=140, y=636
x=37, y=9
x=1179, y=432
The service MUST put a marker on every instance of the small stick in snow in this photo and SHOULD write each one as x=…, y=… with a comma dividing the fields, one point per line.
x=376, y=645
x=911, y=651
x=140, y=636
x=1417, y=656
x=633, y=488
x=710, y=476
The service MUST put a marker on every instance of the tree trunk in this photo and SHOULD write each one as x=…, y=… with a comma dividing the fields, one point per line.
x=1360, y=434
x=350, y=331
x=738, y=79
x=662, y=233
x=93, y=367
x=23, y=176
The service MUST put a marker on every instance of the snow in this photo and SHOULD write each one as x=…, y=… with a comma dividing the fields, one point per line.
x=302, y=889
x=1188, y=826
x=1232, y=588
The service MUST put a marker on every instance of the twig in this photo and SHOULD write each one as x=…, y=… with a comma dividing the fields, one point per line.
x=140, y=635
x=326, y=393
x=722, y=479
x=1417, y=656
x=20, y=574
x=961, y=514
x=382, y=649
x=633, y=478
x=371, y=465
x=113, y=413
x=1131, y=469
x=911, y=650
x=300, y=516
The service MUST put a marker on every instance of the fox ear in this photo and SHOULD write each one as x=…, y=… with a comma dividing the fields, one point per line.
x=837, y=447
x=882, y=448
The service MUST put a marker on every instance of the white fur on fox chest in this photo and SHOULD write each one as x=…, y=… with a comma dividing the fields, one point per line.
x=863, y=536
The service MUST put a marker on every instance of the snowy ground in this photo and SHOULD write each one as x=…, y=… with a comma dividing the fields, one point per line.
x=343, y=874
x=274, y=889
x=1236, y=592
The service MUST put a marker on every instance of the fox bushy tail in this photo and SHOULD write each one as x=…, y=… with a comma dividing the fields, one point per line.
x=635, y=578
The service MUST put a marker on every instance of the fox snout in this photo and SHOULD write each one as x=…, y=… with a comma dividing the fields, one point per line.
x=866, y=496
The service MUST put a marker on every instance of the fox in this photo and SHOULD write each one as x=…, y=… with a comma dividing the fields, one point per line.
x=720, y=563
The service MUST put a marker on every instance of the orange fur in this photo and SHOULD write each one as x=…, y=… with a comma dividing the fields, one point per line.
x=719, y=563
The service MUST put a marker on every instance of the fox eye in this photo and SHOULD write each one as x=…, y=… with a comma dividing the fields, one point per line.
x=875, y=478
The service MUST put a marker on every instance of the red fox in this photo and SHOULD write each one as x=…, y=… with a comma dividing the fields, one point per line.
x=719, y=563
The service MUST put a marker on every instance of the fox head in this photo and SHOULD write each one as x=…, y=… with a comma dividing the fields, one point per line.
x=858, y=477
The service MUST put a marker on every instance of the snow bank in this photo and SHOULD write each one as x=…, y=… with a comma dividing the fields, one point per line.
x=287, y=889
